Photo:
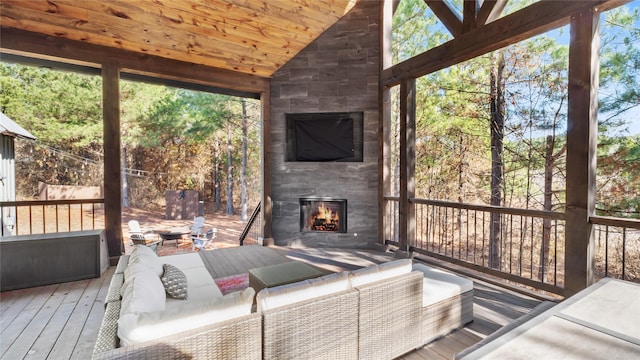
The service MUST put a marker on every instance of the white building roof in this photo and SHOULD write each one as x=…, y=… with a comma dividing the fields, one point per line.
x=10, y=128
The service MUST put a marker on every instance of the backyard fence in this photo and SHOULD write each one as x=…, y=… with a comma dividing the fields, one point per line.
x=51, y=216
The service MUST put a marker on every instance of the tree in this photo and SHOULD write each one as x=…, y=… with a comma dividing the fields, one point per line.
x=243, y=169
x=497, y=105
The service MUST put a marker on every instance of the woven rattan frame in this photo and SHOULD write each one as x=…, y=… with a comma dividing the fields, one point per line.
x=113, y=293
x=320, y=328
x=389, y=316
x=233, y=339
x=447, y=315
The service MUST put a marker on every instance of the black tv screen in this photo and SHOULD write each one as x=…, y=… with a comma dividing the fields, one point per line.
x=324, y=139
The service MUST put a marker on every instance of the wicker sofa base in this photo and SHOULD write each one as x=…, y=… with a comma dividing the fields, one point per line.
x=445, y=316
x=321, y=328
x=380, y=320
x=233, y=339
x=389, y=316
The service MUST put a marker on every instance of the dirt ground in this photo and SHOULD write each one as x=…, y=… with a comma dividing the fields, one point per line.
x=229, y=229
x=63, y=218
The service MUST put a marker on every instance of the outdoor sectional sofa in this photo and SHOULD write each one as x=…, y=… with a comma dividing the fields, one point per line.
x=377, y=312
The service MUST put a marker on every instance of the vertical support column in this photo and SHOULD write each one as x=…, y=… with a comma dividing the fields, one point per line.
x=384, y=164
x=407, y=162
x=582, y=127
x=384, y=122
x=112, y=170
x=267, y=206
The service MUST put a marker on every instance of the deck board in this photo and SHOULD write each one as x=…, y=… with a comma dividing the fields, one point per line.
x=62, y=321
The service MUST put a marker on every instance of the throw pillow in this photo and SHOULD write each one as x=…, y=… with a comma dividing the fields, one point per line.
x=174, y=281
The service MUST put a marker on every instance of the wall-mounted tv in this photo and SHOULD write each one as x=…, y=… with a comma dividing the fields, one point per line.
x=323, y=137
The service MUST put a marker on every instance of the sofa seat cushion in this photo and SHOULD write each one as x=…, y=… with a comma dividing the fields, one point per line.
x=184, y=261
x=439, y=285
x=200, y=284
x=272, y=298
x=136, y=328
x=383, y=271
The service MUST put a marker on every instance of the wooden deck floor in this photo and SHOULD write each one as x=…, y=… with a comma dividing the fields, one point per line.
x=61, y=321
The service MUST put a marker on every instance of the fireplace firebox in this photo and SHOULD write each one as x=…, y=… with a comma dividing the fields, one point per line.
x=323, y=214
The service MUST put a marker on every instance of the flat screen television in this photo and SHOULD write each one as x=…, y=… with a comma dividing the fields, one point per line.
x=324, y=137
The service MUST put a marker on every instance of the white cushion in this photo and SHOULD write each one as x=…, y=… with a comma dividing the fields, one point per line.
x=272, y=298
x=122, y=264
x=383, y=271
x=144, y=255
x=440, y=285
x=184, y=261
x=143, y=293
x=333, y=282
x=135, y=328
x=131, y=272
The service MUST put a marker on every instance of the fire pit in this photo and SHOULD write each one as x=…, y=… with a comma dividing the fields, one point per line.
x=172, y=234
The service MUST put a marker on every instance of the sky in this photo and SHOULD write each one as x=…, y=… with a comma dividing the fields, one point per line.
x=632, y=117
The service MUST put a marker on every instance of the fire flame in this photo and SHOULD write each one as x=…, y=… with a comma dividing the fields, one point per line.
x=327, y=214
x=324, y=219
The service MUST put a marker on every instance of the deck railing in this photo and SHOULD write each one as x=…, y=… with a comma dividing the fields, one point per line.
x=529, y=243
x=617, y=247
x=252, y=232
x=50, y=216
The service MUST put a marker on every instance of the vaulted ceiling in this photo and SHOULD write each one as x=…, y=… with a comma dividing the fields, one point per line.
x=247, y=36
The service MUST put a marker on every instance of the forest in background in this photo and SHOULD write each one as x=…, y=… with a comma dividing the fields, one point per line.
x=489, y=131
x=172, y=139
x=492, y=130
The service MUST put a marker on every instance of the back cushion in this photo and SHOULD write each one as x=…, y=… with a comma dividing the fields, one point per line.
x=142, y=291
x=272, y=298
x=383, y=271
x=145, y=256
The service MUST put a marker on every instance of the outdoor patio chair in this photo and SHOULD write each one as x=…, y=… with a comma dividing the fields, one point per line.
x=135, y=229
x=140, y=239
x=198, y=224
x=204, y=242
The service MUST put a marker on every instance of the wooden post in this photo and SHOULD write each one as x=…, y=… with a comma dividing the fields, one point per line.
x=267, y=206
x=112, y=170
x=407, y=162
x=582, y=127
x=384, y=123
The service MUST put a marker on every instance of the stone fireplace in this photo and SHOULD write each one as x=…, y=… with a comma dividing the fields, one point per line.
x=323, y=214
x=336, y=75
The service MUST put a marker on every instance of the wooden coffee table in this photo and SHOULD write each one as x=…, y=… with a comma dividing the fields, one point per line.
x=280, y=274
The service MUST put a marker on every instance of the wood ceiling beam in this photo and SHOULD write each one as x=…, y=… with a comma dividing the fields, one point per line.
x=469, y=11
x=533, y=20
x=144, y=64
x=490, y=11
x=447, y=14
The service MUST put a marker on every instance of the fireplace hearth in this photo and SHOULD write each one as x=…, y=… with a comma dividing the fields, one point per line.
x=323, y=215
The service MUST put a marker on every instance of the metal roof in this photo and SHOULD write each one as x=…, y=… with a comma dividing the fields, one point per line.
x=10, y=128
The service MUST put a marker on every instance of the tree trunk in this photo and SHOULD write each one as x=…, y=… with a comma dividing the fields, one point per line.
x=243, y=170
x=216, y=178
x=461, y=179
x=549, y=161
x=125, y=185
x=229, y=171
x=497, y=162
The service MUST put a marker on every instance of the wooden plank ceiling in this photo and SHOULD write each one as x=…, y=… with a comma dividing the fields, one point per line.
x=247, y=36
